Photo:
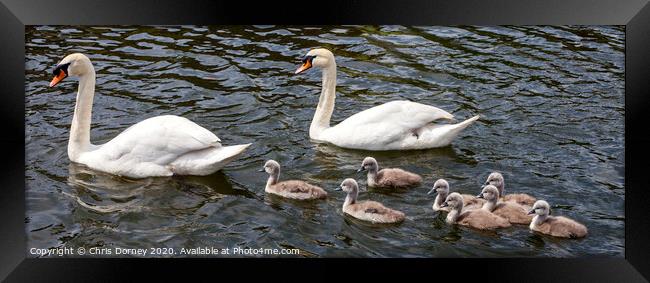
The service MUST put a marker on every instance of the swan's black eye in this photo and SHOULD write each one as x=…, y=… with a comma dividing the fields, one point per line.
x=308, y=58
x=59, y=68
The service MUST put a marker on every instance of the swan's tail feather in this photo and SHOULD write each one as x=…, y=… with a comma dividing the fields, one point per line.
x=441, y=135
x=208, y=161
x=464, y=124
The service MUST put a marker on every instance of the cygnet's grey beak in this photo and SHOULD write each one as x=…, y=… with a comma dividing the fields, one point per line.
x=431, y=191
x=480, y=195
x=444, y=204
x=532, y=211
x=261, y=170
x=338, y=189
x=360, y=169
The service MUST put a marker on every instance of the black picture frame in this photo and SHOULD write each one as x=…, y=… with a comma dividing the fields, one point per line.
x=635, y=15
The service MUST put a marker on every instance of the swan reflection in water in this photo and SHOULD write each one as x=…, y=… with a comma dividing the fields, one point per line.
x=106, y=193
x=330, y=155
x=328, y=159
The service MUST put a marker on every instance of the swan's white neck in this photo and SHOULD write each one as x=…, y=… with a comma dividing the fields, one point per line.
x=372, y=177
x=453, y=214
x=490, y=205
x=273, y=179
x=537, y=220
x=80, y=129
x=501, y=188
x=326, y=101
x=440, y=198
x=351, y=198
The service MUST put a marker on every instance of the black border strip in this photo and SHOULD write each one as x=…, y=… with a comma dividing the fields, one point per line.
x=637, y=141
x=634, y=14
x=12, y=141
x=309, y=12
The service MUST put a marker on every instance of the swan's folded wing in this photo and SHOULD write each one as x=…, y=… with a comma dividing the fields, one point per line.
x=372, y=207
x=160, y=140
x=522, y=199
x=561, y=226
x=400, y=114
x=294, y=186
x=482, y=219
x=514, y=212
x=397, y=178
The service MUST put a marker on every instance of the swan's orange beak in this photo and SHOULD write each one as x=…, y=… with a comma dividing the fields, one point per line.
x=58, y=78
x=305, y=66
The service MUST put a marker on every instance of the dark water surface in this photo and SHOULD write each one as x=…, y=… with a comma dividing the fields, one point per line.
x=551, y=101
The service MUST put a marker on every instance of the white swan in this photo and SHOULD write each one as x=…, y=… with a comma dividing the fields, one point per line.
x=396, y=125
x=158, y=146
